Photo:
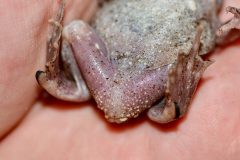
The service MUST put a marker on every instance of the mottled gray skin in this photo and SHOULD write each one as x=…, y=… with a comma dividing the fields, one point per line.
x=141, y=54
x=142, y=34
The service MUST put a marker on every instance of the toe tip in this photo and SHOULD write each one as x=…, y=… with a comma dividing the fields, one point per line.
x=37, y=75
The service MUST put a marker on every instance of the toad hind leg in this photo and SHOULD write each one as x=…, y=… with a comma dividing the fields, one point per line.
x=62, y=79
x=183, y=78
x=121, y=96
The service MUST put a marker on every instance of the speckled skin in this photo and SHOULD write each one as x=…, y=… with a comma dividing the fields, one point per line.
x=142, y=34
x=138, y=52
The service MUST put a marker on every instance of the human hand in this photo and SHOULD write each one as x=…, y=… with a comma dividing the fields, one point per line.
x=59, y=130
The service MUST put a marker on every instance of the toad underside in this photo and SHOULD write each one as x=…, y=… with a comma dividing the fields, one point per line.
x=140, y=55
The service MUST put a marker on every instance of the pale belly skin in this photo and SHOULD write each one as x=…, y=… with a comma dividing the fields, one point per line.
x=140, y=55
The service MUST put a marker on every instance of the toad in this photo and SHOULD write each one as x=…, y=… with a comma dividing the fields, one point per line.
x=136, y=55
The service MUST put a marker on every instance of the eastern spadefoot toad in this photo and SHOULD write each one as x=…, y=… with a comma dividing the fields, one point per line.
x=136, y=55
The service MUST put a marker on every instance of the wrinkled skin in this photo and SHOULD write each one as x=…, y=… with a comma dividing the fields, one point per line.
x=211, y=128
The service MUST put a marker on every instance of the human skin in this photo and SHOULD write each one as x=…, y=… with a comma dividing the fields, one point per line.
x=54, y=129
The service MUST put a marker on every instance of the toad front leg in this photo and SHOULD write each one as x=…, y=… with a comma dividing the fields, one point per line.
x=183, y=78
x=62, y=79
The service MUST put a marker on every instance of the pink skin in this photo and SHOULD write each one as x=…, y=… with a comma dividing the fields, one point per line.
x=210, y=131
x=119, y=95
x=18, y=93
x=106, y=83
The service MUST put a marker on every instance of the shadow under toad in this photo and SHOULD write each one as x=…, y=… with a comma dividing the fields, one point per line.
x=134, y=123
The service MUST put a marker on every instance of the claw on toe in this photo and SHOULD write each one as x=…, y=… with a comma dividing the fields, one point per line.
x=234, y=23
x=183, y=78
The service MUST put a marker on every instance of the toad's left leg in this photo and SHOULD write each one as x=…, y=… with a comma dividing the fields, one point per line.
x=62, y=77
x=182, y=81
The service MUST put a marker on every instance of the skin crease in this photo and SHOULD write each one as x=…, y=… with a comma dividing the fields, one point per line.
x=54, y=129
